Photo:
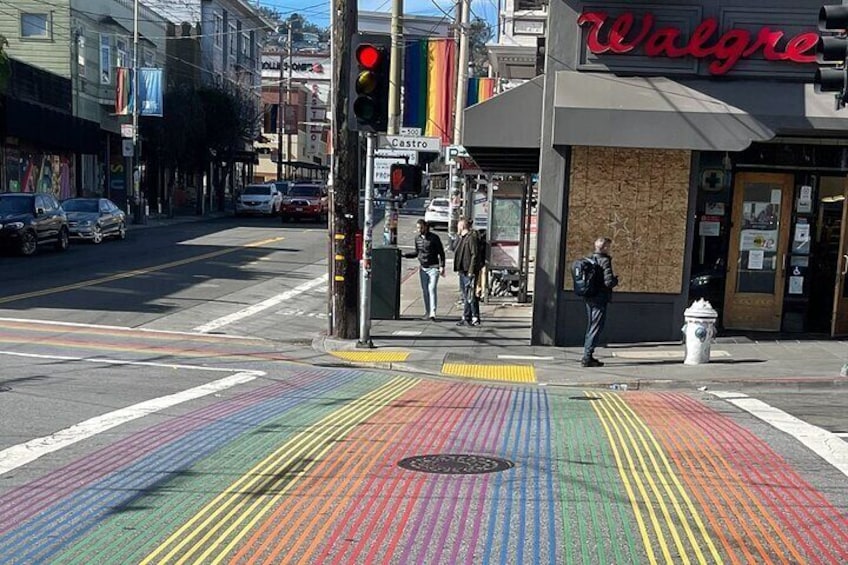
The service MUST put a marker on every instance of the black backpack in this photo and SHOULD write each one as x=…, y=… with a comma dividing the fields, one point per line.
x=588, y=277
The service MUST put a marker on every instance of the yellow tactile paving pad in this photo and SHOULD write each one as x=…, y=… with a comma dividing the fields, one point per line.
x=513, y=373
x=371, y=356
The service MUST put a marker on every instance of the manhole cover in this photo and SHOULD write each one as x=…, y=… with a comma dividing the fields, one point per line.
x=455, y=464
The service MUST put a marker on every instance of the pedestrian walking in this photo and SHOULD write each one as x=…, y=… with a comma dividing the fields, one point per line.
x=467, y=262
x=431, y=256
x=603, y=281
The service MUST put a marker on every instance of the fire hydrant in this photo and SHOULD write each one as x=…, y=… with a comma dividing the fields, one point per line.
x=699, y=332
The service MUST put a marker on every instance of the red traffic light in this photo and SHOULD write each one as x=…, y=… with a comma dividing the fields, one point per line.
x=368, y=56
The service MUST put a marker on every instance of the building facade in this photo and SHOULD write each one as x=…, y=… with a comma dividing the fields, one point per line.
x=84, y=42
x=522, y=26
x=692, y=136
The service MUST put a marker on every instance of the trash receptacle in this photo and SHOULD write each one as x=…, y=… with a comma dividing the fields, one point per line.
x=385, y=283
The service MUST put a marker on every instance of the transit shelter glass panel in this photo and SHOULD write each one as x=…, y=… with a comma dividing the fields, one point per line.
x=758, y=257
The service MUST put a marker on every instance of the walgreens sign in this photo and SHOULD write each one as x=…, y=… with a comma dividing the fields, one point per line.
x=626, y=33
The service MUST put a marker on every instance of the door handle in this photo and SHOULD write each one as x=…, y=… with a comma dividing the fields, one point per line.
x=844, y=265
x=783, y=263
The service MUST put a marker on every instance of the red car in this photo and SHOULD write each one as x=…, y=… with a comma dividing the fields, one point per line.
x=305, y=201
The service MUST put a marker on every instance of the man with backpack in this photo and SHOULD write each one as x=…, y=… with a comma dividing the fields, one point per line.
x=594, y=280
x=468, y=262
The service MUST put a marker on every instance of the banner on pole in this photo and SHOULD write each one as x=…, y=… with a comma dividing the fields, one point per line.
x=150, y=92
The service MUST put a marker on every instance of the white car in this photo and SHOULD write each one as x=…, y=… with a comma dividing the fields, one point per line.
x=437, y=212
x=259, y=199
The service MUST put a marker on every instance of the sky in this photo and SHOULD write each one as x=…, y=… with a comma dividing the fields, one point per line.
x=318, y=11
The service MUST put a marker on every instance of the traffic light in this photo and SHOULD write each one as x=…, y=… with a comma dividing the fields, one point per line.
x=832, y=53
x=368, y=96
x=405, y=179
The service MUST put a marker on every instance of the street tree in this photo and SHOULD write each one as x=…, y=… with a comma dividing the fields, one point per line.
x=480, y=32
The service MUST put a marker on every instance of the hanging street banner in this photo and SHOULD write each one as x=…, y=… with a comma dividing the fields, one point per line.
x=150, y=86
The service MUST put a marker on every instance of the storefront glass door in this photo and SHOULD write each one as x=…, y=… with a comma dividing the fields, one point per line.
x=758, y=247
x=839, y=326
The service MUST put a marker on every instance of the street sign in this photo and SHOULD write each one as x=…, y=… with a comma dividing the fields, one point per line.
x=127, y=147
x=408, y=157
x=429, y=144
x=414, y=132
x=453, y=152
x=127, y=131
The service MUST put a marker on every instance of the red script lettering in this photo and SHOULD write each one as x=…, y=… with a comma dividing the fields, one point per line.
x=725, y=51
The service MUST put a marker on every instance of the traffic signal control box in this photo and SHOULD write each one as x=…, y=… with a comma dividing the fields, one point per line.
x=368, y=95
x=405, y=179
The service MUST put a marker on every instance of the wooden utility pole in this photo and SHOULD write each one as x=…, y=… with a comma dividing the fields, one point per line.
x=345, y=201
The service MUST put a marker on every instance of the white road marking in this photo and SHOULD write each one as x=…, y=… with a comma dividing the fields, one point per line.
x=123, y=328
x=823, y=443
x=106, y=361
x=526, y=357
x=18, y=455
x=662, y=354
x=407, y=333
x=259, y=307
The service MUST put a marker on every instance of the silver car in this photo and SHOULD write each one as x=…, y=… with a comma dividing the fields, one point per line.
x=259, y=199
x=95, y=219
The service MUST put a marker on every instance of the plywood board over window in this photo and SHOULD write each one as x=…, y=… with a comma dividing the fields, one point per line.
x=639, y=198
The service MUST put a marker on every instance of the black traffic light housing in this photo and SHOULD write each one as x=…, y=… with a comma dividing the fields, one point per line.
x=405, y=179
x=832, y=53
x=368, y=95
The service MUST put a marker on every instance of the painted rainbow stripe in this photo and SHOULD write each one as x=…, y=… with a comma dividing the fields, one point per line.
x=305, y=471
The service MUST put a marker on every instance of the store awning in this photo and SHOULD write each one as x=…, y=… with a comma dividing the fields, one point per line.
x=602, y=109
x=502, y=134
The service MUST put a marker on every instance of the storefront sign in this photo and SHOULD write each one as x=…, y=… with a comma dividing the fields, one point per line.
x=726, y=49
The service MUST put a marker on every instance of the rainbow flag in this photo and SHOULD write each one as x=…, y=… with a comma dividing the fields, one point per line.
x=429, y=86
x=479, y=90
x=123, y=91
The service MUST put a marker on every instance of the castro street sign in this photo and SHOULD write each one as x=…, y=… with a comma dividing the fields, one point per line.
x=623, y=34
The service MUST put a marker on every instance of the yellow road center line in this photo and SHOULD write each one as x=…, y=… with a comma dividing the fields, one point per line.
x=239, y=493
x=647, y=542
x=668, y=478
x=133, y=273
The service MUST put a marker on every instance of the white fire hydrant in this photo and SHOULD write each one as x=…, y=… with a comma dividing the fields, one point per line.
x=699, y=331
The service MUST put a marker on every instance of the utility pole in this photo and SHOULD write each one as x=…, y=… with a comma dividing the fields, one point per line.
x=281, y=117
x=393, y=128
x=455, y=178
x=345, y=213
x=136, y=157
x=288, y=102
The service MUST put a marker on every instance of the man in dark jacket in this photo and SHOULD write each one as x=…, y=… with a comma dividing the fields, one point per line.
x=468, y=263
x=431, y=256
x=596, y=305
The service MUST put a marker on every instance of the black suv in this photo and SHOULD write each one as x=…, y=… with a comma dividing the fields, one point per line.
x=29, y=220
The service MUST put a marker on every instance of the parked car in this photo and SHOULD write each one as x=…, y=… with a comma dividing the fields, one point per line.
x=95, y=219
x=438, y=212
x=307, y=201
x=30, y=220
x=283, y=187
x=259, y=199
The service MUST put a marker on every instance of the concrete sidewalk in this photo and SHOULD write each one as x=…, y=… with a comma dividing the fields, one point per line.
x=499, y=350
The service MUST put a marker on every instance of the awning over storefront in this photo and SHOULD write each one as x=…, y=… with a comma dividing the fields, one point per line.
x=602, y=109
x=502, y=134
x=50, y=128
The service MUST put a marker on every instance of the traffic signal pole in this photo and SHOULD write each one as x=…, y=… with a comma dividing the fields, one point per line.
x=367, y=239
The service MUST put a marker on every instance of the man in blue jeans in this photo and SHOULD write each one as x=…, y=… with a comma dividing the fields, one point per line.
x=596, y=305
x=431, y=256
x=468, y=263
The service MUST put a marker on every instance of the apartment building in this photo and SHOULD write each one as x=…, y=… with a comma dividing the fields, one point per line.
x=522, y=25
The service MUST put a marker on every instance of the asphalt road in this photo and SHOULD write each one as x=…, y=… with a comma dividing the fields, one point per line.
x=159, y=403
